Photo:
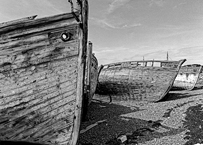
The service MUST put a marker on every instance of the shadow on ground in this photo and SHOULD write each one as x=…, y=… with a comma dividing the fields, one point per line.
x=116, y=125
x=16, y=143
x=193, y=122
x=175, y=95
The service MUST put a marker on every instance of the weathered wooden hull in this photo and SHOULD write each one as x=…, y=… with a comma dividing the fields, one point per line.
x=92, y=74
x=129, y=81
x=42, y=69
x=187, y=77
x=199, y=83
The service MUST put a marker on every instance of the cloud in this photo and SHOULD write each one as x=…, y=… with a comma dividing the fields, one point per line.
x=111, y=54
x=105, y=24
x=192, y=50
x=116, y=4
x=103, y=51
x=159, y=3
x=118, y=20
x=179, y=5
x=170, y=27
x=157, y=55
x=193, y=54
x=25, y=8
x=118, y=54
x=101, y=22
x=130, y=26
x=181, y=34
x=49, y=4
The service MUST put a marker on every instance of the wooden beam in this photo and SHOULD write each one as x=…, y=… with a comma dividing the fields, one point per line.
x=81, y=71
x=14, y=22
x=89, y=67
x=141, y=61
x=41, y=21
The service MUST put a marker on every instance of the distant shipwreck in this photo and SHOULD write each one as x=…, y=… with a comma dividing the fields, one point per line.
x=138, y=80
x=188, y=77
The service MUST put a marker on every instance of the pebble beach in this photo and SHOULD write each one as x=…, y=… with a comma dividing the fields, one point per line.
x=178, y=117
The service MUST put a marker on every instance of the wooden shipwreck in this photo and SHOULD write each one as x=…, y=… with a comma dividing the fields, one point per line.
x=92, y=73
x=199, y=83
x=42, y=72
x=187, y=77
x=138, y=80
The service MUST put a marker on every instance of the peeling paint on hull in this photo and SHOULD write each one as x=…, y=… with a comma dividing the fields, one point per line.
x=187, y=77
x=199, y=83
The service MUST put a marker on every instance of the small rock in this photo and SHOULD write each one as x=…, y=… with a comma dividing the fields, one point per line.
x=122, y=138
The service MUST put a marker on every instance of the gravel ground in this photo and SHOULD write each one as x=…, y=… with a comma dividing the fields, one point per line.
x=179, y=116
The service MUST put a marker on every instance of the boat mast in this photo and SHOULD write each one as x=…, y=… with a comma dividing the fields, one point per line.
x=167, y=56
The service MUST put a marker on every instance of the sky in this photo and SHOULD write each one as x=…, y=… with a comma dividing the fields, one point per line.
x=123, y=30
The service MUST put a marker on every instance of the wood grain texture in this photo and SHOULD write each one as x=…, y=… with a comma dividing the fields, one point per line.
x=18, y=21
x=199, y=83
x=81, y=66
x=88, y=74
x=187, y=77
x=92, y=73
x=42, y=69
x=138, y=80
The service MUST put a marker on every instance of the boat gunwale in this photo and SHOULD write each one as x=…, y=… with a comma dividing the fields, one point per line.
x=18, y=24
x=117, y=64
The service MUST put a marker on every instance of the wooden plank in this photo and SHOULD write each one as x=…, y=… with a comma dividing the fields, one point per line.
x=17, y=81
x=41, y=35
x=36, y=53
x=141, y=61
x=94, y=75
x=30, y=94
x=18, y=21
x=16, y=34
x=89, y=68
x=40, y=21
x=81, y=71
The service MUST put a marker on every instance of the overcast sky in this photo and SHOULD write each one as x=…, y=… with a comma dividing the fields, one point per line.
x=130, y=29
